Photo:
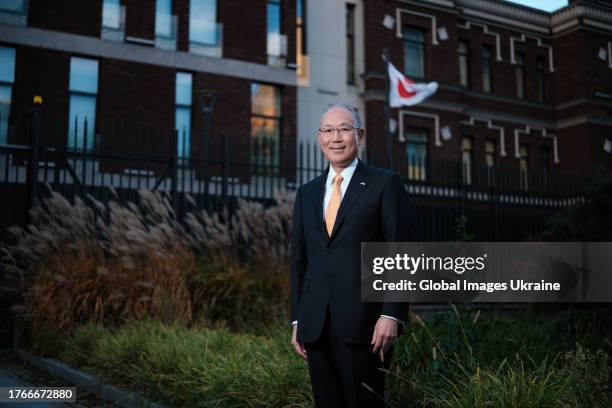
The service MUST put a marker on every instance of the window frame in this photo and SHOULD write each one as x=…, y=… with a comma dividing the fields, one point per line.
x=301, y=25
x=350, y=43
x=519, y=75
x=82, y=93
x=420, y=44
x=417, y=173
x=541, y=79
x=8, y=84
x=486, y=65
x=214, y=20
x=466, y=176
x=464, y=63
x=186, y=153
x=524, y=167
x=270, y=166
x=490, y=160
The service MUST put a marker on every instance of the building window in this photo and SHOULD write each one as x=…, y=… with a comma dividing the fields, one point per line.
x=205, y=34
x=350, y=43
x=14, y=12
x=301, y=38
x=7, y=78
x=265, y=128
x=414, y=52
x=464, y=63
x=165, y=25
x=524, y=167
x=416, y=153
x=182, y=116
x=301, y=27
x=83, y=93
x=520, y=76
x=277, y=42
x=490, y=161
x=541, y=65
x=466, y=160
x=487, y=62
x=113, y=20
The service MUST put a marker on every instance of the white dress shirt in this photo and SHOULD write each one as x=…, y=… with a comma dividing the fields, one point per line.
x=346, y=174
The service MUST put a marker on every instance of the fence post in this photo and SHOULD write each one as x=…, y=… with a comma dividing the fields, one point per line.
x=225, y=171
x=84, y=159
x=462, y=184
x=173, y=177
x=496, y=199
x=58, y=151
x=34, y=150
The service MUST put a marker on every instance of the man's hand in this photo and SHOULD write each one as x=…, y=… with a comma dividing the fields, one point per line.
x=299, y=347
x=385, y=333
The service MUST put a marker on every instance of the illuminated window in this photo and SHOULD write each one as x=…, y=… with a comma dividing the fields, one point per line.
x=265, y=128
x=416, y=153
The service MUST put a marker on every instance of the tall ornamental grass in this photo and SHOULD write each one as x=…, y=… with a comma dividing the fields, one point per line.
x=110, y=263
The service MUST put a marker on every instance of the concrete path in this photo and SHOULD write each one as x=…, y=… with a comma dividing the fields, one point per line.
x=12, y=375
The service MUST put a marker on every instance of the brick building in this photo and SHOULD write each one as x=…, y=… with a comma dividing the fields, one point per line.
x=146, y=61
x=519, y=87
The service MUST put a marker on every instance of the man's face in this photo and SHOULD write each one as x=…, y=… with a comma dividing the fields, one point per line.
x=340, y=148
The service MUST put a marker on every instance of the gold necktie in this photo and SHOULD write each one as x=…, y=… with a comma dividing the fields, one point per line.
x=334, y=204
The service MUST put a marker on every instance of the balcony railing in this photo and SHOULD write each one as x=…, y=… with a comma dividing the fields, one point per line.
x=113, y=22
x=165, y=31
x=14, y=12
x=206, y=38
x=277, y=49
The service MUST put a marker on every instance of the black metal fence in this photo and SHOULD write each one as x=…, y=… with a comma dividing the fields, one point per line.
x=448, y=198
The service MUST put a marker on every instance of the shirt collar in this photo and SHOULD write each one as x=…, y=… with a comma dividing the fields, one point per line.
x=346, y=174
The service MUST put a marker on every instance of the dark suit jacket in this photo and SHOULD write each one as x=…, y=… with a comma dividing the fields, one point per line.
x=326, y=270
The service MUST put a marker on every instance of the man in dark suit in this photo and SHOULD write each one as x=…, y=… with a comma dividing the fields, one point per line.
x=344, y=340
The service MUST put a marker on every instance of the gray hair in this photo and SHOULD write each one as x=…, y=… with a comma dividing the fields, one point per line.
x=351, y=109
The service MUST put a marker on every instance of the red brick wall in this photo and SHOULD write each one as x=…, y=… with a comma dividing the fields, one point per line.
x=72, y=16
x=578, y=74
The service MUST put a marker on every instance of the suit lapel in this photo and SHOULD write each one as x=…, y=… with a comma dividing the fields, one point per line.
x=319, y=206
x=356, y=187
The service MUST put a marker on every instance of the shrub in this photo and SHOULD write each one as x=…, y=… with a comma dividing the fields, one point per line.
x=588, y=221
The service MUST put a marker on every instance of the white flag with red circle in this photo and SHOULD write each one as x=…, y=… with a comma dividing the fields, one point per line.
x=404, y=92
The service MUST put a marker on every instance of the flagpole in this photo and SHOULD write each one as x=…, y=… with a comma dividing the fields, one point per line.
x=388, y=137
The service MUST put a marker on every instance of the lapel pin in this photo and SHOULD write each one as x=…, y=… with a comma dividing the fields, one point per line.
x=362, y=183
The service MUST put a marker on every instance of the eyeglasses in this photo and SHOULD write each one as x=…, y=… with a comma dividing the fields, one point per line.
x=344, y=130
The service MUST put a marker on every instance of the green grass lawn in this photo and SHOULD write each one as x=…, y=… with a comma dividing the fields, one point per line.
x=455, y=359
